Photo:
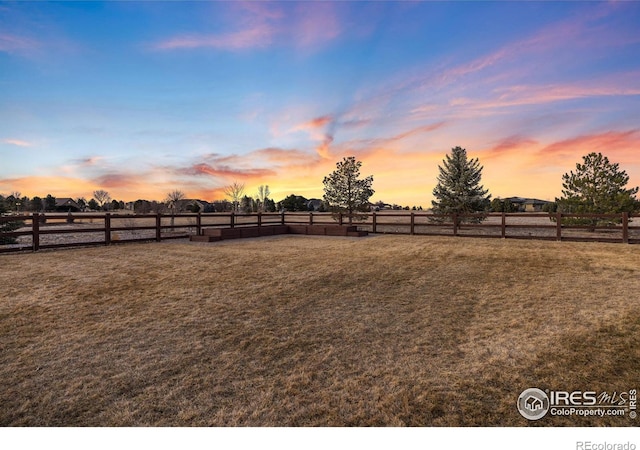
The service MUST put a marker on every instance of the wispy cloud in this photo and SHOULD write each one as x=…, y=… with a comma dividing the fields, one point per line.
x=254, y=25
x=225, y=172
x=315, y=24
x=315, y=123
x=520, y=95
x=14, y=44
x=255, y=37
x=17, y=142
x=511, y=145
x=89, y=161
x=118, y=180
x=620, y=144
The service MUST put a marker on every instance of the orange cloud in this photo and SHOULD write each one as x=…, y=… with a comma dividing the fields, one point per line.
x=324, y=150
x=118, y=180
x=318, y=122
x=226, y=172
x=42, y=185
x=622, y=145
x=515, y=144
x=282, y=156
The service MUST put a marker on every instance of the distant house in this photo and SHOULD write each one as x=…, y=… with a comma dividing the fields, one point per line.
x=314, y=204
x=197, y=205
x=67, y=205
x=527, y=204
x=381, y=206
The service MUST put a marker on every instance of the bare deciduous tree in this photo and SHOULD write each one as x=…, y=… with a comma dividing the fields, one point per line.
x=101, y=197
x=174, y=200
x=263, y=196
x=234, y=192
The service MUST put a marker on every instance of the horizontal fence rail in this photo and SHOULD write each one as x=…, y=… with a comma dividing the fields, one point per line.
x=42, y=231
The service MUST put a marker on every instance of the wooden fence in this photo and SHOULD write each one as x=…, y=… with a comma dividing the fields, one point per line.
x=40, y=231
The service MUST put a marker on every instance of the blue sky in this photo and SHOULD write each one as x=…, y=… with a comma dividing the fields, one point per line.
x=141, y=98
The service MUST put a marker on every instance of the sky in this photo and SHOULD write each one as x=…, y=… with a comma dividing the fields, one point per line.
x=143, y=98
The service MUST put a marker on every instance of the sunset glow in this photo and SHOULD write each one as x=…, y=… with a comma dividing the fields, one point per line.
x=141, y=98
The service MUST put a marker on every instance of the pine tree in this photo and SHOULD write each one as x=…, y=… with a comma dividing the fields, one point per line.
x=597, y=187
x=344, y=192
x=458, y=190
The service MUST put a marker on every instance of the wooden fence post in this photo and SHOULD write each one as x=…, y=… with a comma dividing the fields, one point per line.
x=35, y=233
x=158, y=227
x=625, y=227
x=199, y=224
x=413, y=223
x=558, y=226
x=259, y=219
x=232, y=220
x=107, y=228
x=455, y=223
x=375, y=222
x=340, y=218
x=282, y=221
x=504, y=225
x=310, y=217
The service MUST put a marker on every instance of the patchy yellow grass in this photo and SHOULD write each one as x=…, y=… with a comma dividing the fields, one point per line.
x=314, y=331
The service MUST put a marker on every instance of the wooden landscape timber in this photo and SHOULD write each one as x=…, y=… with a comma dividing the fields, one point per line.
x=219, y=234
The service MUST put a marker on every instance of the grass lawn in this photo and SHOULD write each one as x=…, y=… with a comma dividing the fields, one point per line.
x=315, y=331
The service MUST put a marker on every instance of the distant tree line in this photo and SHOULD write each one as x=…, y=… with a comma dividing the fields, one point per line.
x=597, y=186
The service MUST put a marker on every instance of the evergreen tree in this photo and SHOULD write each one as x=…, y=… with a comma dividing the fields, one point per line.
x=500, y=205
x=459, y=190
x=50, y=203
x=37, y=204
x=294, y=203
x=7, y=227
x=596, y=187
x=247, y=204
x=345, y=193
x=269, y=205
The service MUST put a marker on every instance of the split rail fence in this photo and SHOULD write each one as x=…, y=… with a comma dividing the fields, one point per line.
x=44, y=231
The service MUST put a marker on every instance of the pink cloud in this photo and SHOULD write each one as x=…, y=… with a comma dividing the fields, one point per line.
x=116, y=180
x=10, y=43
x=256, y=25
x=226, y=172
x=527, y=95
x=257, y=36
x=621, y=144
x=515, y=144
x=316, y=23
x=17, y=142
x=318, y=122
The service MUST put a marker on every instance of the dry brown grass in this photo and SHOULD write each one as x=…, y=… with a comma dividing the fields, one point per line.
x=314, y=331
